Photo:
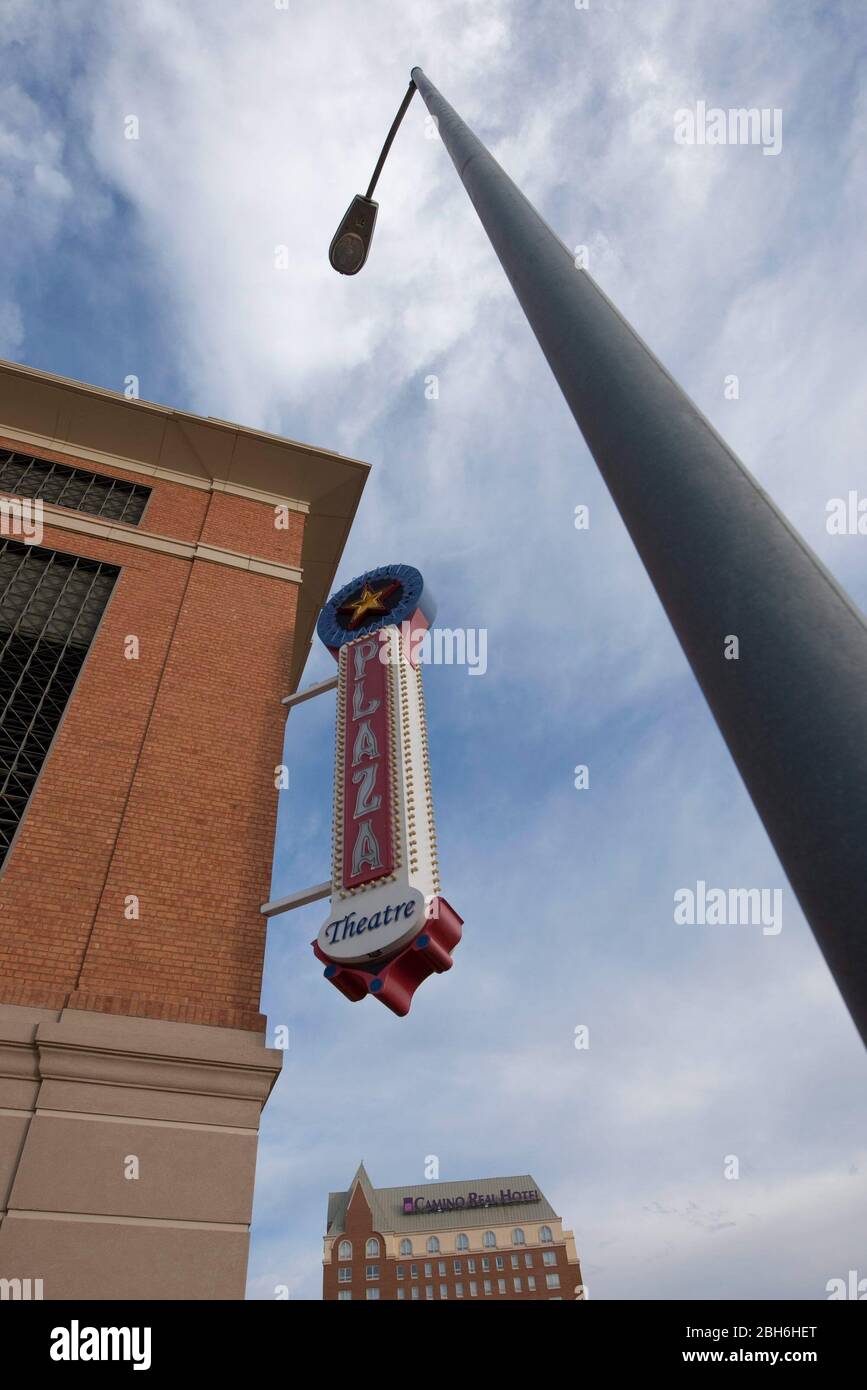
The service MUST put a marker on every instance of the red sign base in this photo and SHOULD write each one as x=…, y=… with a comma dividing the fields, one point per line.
x=395, y=982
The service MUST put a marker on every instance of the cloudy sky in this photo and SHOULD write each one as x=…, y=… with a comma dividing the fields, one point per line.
x=156, y=257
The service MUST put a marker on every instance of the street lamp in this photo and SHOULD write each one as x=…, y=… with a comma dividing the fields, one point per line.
x=351, y=242
x=790, y=695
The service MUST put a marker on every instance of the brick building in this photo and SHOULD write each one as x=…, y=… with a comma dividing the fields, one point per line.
x=490, y=1238
x=146, y=638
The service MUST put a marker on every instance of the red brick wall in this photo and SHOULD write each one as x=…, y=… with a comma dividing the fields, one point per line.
x=232, y=519
x=160, y=781
x=359, y=1229
x=173, y=509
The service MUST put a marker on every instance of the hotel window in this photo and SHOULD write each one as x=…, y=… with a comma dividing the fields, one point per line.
x=552, y=1281
x=406, y=1247
x=531, y=1283
x=516, y=1263
x=344, y=1296
x=344, y=1250
x=444, y=1290
x=490, y=1239
x=428, y=1270
x=51, y=607
x=501, y=1286
x=441, y=1266
x=486, y=1264
x=462, y=1243
x=474, y=1288
x=76, y=488
x=518, y=1237
x=401, y=1293
x=549, y=1257
x=372, y=1247
x=528, y=1260
x=413, y=1271
x=373, y=1293
x=545, y=1234
x=415, y=1293
x=372, y=1272
x=428, y=1291
x=517, y=1284
x=500, y=1262
x=471, y=1266
x=344, y=1275
x=459, y=1290
x=457, y=1265
x=400, y=1271
x=433, y=1245
x=486, y=1285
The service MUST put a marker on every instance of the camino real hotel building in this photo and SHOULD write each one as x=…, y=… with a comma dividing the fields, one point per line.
x=492, y=1238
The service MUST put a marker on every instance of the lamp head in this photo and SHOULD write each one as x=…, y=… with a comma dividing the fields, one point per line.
x=351, y=241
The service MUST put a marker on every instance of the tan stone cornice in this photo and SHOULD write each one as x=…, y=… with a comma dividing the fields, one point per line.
x=40, y=444
x=120, y=533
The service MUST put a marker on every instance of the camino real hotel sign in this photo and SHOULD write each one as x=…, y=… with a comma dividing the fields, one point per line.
x=472, y=1201
x=389, y=926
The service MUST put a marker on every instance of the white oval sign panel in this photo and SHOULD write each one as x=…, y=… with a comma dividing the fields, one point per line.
x=378, y=920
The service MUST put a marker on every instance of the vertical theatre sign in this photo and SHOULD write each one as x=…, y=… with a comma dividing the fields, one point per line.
x=389, y=927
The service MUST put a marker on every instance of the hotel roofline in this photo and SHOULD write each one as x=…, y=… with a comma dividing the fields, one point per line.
x=389, y=1217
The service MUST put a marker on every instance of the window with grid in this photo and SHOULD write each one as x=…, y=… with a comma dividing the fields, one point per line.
x=50, y=607
x=65, y=486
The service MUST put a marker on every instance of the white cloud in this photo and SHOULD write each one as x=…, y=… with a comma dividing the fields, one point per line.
x=11, y=329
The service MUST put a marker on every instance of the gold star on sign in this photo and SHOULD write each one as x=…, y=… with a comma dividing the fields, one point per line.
x=369, y=601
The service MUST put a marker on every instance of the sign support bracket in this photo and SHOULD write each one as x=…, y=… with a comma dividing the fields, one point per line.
x=292, y=900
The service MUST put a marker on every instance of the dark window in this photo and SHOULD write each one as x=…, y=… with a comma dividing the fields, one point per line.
x=114, y=498
x=50, y=607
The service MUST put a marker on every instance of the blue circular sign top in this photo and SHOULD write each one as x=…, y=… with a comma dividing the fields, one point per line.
x=390, y=594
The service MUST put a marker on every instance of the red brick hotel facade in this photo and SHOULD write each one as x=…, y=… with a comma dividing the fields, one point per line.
x=489, y=1239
